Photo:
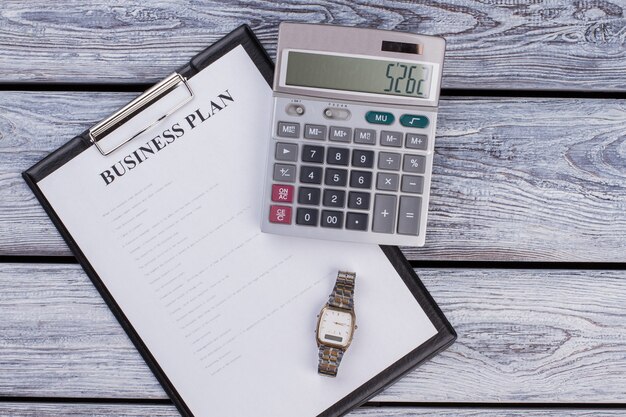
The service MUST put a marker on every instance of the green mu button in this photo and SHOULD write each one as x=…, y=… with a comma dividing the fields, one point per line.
x=414, y=120
x=379, y=117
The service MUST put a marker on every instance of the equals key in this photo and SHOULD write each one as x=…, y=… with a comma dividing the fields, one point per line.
x=409, y=215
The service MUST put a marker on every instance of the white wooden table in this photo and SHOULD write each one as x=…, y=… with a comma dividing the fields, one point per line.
x=526, y=250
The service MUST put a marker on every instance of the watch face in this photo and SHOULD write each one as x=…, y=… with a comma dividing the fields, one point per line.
x=335, y=327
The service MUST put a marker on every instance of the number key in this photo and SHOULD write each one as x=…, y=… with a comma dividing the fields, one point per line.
x=310, y=175
x=334, y=198
x=338, y=156
x=307, y=195
x=332, y=219
x=336, y=177
x=362, y=159
x=358, y=200
x=361, y=179
x=387, y=181
x=312, y=153
x=307, y=216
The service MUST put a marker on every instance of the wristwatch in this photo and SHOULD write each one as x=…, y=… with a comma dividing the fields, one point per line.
x=336, y=324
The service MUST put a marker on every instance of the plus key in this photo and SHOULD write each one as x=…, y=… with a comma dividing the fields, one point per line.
x=384, y=213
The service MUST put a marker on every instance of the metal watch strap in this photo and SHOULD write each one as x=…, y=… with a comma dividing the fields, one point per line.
x=341, y=297
x=329, y=360
x=343, y=293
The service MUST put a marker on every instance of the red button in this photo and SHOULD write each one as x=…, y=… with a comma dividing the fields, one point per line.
x=282, y=193
x=280, y=214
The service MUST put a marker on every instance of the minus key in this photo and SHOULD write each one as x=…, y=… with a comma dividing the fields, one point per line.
x=413, y=184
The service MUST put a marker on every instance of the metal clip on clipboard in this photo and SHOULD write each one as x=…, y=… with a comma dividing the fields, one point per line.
x=132, y=109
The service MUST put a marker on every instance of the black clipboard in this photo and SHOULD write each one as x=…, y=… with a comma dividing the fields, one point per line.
x=243, y=36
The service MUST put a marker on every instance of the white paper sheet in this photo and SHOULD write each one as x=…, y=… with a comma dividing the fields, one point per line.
x=227, y=311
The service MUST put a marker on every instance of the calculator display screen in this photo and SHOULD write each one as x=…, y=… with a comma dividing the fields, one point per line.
x=336, y=72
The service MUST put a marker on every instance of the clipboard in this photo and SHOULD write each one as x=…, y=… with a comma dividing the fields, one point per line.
x=176, y=89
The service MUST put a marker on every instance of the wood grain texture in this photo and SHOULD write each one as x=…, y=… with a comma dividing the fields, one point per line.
x=542, y=44
x=133, y=410
x=514, y=179
x=538, y=336
x=33, y=124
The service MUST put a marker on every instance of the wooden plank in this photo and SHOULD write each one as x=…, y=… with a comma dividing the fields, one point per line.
x=514, y=179
x=25, y=409
x=32, y=124
x=525, y=336
x=520, y=45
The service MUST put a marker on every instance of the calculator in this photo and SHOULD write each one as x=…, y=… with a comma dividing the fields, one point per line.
x=352, y=135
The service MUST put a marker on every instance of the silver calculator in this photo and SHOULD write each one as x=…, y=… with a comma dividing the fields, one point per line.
x=352, y=136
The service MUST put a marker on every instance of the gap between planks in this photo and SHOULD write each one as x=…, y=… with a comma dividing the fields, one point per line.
x=113, y=87
x=56, y=409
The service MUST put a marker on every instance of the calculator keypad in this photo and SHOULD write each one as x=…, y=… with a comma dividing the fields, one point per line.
x=368, y=179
